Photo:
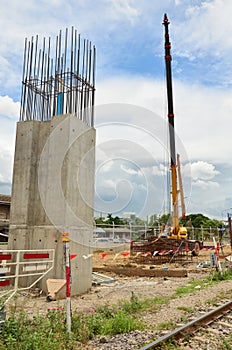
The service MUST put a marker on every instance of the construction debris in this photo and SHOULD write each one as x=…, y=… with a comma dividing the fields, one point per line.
x=98, y=278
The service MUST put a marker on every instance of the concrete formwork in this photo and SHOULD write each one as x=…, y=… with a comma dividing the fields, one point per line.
x=53, y=192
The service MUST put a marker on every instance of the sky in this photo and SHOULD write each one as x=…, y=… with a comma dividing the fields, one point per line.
x=132, y=156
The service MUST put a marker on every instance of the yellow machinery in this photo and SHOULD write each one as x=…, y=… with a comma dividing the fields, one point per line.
x=176, y=231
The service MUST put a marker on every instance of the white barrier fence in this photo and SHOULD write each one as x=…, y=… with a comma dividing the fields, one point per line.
x=16, y=265
x=132, y=232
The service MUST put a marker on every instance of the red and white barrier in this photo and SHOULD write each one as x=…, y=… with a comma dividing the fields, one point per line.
x=18, y=264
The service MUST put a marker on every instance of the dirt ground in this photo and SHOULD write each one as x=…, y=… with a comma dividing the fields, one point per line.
x=124, y=274
x=145, y=265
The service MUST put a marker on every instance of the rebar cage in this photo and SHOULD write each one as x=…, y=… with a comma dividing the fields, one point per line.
x=64, y=85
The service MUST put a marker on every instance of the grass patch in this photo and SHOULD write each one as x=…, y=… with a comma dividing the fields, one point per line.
x=184, y=318
x=20, y=332
x=105, y=321
x=212, y=279
x=169, y=346
x=49, y=331
x=185, y=309
x=136, y=305
x=190, y=288
x=165, y=325
x=213, y=303
x=218, y=276
x=226, y=345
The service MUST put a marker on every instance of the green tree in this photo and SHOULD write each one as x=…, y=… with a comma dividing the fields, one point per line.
x=99, y=221
x=164, y=218
x=139, y=221
x=118, y=221
x=114, y=220
x=197, y=220
x=110, y=219
x=153, y=220
x=213, y=223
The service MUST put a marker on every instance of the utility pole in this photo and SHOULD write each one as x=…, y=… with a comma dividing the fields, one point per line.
x=230, y=228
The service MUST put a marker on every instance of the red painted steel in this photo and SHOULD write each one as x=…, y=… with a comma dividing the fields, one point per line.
x=5, y=256
x=4, y=283
x=68, y=281
x=36, y=256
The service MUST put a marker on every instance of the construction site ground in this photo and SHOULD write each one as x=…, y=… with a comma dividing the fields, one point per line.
x=124, y=274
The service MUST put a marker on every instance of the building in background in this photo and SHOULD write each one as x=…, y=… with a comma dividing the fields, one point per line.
x=129, y=216
x=5, y=201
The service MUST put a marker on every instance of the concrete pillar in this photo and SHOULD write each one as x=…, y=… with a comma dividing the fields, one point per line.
x=53, y=192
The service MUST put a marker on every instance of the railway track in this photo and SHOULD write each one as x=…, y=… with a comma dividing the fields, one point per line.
x=214, y=323
x=160, y=320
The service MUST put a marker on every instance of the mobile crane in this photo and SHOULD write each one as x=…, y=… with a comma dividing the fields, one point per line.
x=176, y=231
x=173, y=239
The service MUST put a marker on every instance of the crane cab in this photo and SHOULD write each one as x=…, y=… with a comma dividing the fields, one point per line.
x=181, y=233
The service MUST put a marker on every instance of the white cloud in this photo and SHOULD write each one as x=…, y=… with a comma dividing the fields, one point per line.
x=205, y=28
x=130, y=171
x=202, y=114
x=200, y=170
x=105, y=166
x=8, y=107
x=108, y=183
x=137, y=90
x=160, y=170
x=6, y=167
x=123, y=7
x=206, y=185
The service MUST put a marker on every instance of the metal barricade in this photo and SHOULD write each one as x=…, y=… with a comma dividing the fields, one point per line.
x=18, y=264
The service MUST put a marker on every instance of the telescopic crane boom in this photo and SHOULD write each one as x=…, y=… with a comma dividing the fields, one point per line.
x=176, y=231
x=172, y=241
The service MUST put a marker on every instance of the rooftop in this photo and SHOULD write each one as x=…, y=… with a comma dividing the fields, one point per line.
x=4, y=198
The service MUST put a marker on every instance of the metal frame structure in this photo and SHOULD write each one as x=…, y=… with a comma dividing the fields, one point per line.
x=61, y=85
x=17, y=264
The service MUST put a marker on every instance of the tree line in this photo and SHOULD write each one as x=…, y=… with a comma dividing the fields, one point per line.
x=191, y=220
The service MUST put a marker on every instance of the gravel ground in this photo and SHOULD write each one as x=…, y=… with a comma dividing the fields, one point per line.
x=170, y=312
x=144, y=287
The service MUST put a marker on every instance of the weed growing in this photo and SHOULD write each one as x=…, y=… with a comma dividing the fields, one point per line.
x=226, y=345
x=105, y=320
x=185, y=309
x=165, y=325
x=50, y=331
x=136, y=305
x=213, y=278
x=218, y=276
x=23, y=333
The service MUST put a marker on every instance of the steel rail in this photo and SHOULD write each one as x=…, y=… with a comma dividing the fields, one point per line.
x=191, y=326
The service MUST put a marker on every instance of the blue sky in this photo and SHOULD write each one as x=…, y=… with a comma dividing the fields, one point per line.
x=130, y=83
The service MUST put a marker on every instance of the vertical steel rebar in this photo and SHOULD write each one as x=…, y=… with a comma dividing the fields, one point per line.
x=93, y=85
x=69, y=78
x=22, y=104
